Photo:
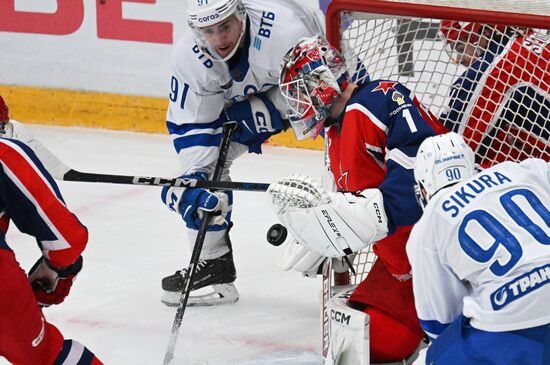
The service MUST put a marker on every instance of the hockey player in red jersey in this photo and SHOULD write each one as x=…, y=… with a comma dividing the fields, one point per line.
x=30, y=198
x=372, y=132
x=501, y=103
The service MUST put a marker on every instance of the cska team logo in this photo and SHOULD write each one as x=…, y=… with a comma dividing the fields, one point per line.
x=385, y=86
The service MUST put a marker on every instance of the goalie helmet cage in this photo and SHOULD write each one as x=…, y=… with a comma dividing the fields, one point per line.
x=411, y=41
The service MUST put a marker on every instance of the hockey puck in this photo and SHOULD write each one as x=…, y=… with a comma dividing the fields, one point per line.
x=276, y=235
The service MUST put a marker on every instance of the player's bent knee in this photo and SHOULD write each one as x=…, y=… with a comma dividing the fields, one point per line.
x=390, y=340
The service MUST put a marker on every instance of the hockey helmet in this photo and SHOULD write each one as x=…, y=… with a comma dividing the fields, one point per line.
x=4, y=111
x=208, y=17
x=441, y=161
x=312, y=76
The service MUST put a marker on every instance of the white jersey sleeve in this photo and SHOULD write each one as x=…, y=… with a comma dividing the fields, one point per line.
x=438, y=292
x=482, y=248
x=200, y=87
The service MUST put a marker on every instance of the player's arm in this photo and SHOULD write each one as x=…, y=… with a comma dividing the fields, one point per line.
x=438, y=292
x=35, y=205
x=408, y=124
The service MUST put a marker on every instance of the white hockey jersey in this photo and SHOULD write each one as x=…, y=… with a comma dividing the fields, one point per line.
x=482, y=248
x=200, y=87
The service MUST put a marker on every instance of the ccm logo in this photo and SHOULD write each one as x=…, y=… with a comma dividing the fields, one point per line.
x=340, y=317
x=209, y=17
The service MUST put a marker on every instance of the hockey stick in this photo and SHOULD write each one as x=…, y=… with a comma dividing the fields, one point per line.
x=189, y=278
x=60, y=171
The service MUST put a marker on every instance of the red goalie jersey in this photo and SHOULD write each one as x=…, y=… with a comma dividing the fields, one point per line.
x=373, y=145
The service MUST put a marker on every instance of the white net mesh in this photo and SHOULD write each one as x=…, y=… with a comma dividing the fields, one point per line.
x=499, y=100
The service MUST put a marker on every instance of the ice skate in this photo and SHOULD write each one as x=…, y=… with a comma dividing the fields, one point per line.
x=213, y=283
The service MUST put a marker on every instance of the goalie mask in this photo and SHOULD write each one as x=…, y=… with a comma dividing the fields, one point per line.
x=313, y=75
x=441, y=161
x=218, y=26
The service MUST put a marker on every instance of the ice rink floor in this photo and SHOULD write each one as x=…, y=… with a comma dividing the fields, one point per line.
x=114, y=307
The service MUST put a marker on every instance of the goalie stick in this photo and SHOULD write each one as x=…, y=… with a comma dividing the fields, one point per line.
x=60, y=171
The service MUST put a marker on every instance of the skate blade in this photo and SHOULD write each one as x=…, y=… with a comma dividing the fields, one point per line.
x=215, y=295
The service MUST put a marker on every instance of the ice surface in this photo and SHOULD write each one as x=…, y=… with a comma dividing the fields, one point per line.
x=114, y=307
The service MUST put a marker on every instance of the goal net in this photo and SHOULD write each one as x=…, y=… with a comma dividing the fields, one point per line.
x=482, y=67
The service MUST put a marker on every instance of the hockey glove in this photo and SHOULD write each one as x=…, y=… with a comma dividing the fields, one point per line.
x=191, y=203
x=51, y=284
x=257, y=119
x=332, y=224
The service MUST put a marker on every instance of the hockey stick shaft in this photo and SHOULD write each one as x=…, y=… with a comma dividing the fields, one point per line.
x=73, y=175
x=191, y=270
x=60, y=171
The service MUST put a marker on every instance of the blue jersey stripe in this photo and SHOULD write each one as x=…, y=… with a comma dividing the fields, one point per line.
x=182, y=129
x=86, y=358
x=433, y=327
x=196, y=140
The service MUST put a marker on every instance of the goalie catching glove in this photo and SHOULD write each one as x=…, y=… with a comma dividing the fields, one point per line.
x=51, y=285
x=332, y=224
x=191, y=203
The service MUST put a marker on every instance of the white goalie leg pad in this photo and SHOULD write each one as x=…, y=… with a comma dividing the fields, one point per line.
x=345, y=225
x=298, y=257
x=349, y=334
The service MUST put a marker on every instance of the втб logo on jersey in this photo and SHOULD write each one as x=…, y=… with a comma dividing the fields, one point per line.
x=520, y=286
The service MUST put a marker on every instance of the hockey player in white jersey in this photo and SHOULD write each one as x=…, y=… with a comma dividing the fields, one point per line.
x=480, y=257
x=225, y=68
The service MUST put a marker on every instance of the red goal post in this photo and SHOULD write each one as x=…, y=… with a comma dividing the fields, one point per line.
x=506, y=112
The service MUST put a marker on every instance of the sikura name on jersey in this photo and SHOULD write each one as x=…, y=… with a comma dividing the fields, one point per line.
x=462, y=196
